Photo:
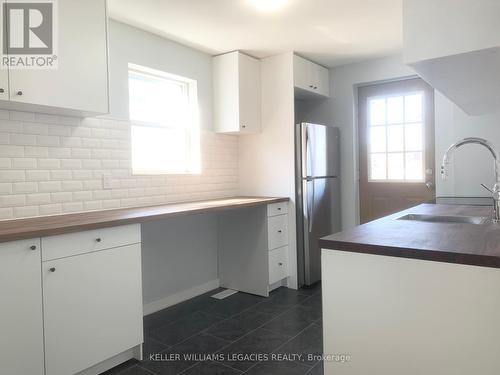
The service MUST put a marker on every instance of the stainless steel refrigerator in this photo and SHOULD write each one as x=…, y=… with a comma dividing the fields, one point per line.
x=318, y=194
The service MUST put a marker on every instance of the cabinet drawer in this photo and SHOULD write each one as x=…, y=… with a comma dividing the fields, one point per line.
x=64, y=245
x=277, y=231
x=278, y=264
x=274, y=209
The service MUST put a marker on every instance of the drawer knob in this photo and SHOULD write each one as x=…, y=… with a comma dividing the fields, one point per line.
x=20, y=93
x=280, y=264
x=98, y=240
x=33, y=247
x=279, y=208
x=52, y=269
x=279, y=231
x=2, y=91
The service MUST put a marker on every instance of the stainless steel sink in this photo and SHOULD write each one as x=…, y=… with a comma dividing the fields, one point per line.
x=478, y=220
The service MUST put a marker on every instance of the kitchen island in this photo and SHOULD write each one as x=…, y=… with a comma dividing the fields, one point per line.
x=417, y=292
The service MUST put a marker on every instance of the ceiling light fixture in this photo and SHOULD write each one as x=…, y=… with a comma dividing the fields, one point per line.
x=268, y=6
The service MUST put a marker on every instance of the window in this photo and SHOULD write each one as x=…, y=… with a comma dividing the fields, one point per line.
x=396, y=138
x=165, y=126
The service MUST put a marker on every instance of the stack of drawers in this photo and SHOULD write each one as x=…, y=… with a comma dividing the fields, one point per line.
x=277, y=238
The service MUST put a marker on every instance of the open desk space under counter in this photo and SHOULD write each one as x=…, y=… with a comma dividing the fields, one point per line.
x=78, y=285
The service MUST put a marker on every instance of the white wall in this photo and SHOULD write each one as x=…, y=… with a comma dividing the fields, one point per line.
x=178, y=254
x=472, y=164
x=451, y=124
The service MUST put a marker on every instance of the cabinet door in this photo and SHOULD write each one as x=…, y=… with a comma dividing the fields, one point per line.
x=249, y=94
x=21, y=329
x=92, y=308
x=303, y=75
x=321, y=80
x=4, y=84
x=80, y=81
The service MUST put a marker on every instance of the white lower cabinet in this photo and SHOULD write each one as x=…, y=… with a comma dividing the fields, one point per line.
x=92, y=308
x=21, y=327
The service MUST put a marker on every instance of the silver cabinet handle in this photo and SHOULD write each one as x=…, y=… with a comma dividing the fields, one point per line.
x=52, y=269
x=32, y=247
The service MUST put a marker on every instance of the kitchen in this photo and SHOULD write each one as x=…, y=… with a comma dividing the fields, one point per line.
x=166, y=177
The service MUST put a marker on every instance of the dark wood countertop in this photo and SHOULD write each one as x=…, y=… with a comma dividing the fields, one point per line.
x=470, y=244
x=58, y=224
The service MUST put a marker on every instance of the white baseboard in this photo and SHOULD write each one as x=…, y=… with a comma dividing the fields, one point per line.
x=182, y=296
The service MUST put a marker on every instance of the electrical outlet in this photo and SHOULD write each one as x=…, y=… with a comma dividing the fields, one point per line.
x=106, y=181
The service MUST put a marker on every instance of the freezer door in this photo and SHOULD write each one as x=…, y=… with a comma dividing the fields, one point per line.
x=320, y=150
x=321, y=205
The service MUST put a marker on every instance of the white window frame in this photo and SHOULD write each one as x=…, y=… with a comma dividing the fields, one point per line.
x=404, y=123
x=192, y=126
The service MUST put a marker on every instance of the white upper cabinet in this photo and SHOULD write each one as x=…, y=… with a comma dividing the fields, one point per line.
x=310, y=78
x=455, y=46
x=237, y=103
x=79, y=83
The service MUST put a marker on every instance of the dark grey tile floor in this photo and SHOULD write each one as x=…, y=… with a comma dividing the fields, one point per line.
x=242, y=334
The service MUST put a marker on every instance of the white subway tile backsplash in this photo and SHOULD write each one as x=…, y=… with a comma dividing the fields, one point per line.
x=24, y=187
x=50, y=209
x=26, y=211
x=37, y=152
x=24, y=163
x=54, y=164
x=12, y=175
x=37, y=175
x=49, y=186
x=49, y=163
x=38, y=199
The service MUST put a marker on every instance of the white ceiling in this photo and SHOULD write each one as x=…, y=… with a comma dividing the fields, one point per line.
x=330, y=32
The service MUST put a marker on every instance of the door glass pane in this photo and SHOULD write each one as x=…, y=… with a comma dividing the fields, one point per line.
x=414, y=168
x=413, y=108
x=414, y=133
x=377, y=139
x=377, y=111
x=395, y=110
x=395, y=138
x=396, y=166
x=378, y=166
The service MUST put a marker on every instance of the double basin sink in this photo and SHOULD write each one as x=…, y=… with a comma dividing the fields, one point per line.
x=477, y=220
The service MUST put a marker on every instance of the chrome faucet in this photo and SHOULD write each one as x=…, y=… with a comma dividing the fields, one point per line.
x=495, y=191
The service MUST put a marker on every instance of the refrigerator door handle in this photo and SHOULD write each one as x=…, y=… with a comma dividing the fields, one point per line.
x=311, y=214
x=309, y=203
